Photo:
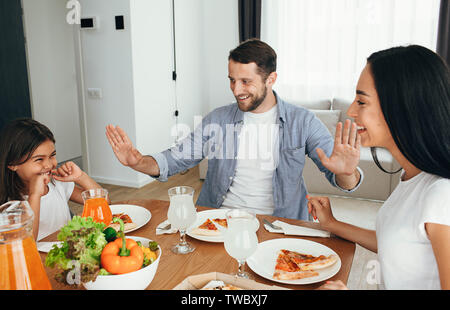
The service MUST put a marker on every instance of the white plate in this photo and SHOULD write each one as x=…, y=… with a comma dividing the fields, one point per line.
x=262, y=262
x=202, y=216
x=45, y=247
x=139, y=215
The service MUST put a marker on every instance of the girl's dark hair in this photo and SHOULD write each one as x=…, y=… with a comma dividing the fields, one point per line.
x=255, y=50
x=413, y=86
x=18, y=140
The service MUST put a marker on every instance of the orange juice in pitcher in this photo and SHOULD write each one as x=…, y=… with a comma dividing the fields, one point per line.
x=21, y=267
x=96, y=205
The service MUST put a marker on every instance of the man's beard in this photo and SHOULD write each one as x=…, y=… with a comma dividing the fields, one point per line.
x=255, y=103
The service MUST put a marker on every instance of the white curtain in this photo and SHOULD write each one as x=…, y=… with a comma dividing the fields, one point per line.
x=322, y=45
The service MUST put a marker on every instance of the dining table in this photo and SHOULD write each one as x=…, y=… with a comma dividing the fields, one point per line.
x=211, y=256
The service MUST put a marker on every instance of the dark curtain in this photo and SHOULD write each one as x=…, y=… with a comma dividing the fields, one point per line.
x=14, y=88
x=444, y=31
x=249, y=19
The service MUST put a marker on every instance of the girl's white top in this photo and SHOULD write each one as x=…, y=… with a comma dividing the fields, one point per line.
x=405, y=253
x=55, y=211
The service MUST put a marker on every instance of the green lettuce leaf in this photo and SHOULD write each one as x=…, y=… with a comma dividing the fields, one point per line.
x=75, y=224
x=83, y=242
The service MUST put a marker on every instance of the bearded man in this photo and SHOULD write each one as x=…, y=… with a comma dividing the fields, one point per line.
x=255, y=147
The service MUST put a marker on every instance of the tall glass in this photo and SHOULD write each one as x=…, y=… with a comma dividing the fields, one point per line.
x=181, y=215
x=240, y=238
x=96, y=205
x=21, y=267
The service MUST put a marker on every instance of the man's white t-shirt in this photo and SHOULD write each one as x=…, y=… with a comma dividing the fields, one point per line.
x=405, y=253
x=257, y=158
x=55, y=212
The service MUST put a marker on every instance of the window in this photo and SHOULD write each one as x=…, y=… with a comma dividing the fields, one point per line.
x=322, y=45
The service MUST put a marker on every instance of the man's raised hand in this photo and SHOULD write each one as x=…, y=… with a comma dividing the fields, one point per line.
x=122, y=147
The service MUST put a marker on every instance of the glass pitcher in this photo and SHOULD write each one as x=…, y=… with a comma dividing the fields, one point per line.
x=21, y=267
x=96, y=205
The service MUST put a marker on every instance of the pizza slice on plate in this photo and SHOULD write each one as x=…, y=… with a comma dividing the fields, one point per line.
x=127, y=221
x=221, y=222
x=286, y=269
x=310, y=262
x=206, y=229
x=291, y=265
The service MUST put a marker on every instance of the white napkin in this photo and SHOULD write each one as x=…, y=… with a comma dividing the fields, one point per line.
x=160, y=231
x=289, y=229
x=47, y=246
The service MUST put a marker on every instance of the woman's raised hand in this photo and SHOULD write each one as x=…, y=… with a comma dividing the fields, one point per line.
x=345, y=156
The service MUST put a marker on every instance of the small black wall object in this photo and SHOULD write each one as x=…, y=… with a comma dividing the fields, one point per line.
x=87, y=22
x=119, y=22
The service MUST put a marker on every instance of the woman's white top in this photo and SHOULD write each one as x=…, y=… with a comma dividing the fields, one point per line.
x=55, y=211
x=405, y=253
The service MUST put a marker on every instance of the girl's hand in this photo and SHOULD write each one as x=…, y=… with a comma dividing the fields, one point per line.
x=320, y=208
x=38, y=185
x=333, y=285
x=67, y=172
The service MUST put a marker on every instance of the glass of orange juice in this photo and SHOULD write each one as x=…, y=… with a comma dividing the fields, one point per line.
x=21, y=267
x=96, y=205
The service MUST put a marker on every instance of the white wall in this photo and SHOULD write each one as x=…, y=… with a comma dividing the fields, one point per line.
x=107, y=64
x=220, y=35
x=157, y=96
x=133, y=67
x=191, y=54
x=51, y=65
x=154, y=89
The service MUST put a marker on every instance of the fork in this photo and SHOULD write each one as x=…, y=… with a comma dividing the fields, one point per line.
x=272, y=225
x=165, y=227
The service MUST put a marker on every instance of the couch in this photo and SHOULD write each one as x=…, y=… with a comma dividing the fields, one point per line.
x=377, y=185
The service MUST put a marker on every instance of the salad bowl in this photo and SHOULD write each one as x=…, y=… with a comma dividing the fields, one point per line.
x=137, y=280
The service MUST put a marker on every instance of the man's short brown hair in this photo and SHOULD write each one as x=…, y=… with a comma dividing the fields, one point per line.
x=255, y=50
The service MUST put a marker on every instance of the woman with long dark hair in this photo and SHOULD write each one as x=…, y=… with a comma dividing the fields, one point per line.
x=403, y=104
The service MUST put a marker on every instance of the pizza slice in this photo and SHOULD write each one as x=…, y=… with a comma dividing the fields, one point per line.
x=221, y=222
x=291, y=265
x=286, y=269
x=206, y=229
x=310, y=262
x=127, y=221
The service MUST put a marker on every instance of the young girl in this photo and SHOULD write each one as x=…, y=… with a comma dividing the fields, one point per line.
x=28, y=171
x=403, y=104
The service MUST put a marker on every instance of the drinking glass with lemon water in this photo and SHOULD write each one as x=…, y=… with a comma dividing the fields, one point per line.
x=181, y=215
x=240, y=238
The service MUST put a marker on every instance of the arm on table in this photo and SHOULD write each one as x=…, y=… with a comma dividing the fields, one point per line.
x=320, y=208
